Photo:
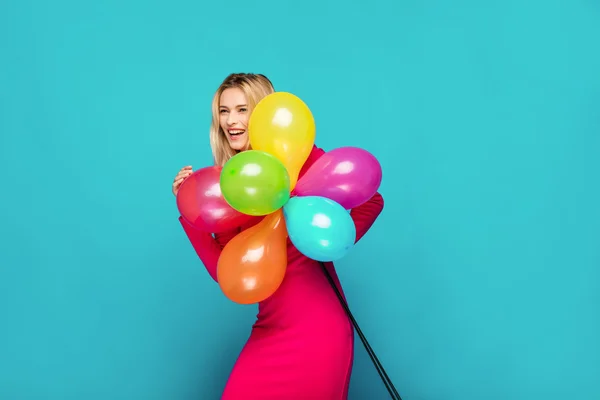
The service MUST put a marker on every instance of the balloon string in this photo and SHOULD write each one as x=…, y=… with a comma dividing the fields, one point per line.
x=380, y=370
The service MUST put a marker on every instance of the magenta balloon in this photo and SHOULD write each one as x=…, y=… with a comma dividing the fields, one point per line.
x=201, y=203
x=348, y=175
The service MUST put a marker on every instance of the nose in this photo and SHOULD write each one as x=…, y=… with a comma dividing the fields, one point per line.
x=231, y=119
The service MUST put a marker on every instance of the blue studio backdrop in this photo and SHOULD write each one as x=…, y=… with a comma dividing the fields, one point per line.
x=480, y=280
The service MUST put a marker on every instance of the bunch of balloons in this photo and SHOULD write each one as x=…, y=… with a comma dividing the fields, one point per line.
x=261, y=189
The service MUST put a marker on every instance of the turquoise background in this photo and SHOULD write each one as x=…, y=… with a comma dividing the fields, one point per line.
x=480, y=279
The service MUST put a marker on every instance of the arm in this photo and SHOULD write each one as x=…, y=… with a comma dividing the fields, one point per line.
x=206, y=246
x=365, y=215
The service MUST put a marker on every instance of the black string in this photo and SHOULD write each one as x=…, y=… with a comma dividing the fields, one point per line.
x=382, y=374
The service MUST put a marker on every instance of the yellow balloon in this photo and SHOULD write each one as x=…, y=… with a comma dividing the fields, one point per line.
x=283, y=125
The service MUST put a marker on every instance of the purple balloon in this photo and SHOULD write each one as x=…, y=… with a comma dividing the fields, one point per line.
x=347, y=175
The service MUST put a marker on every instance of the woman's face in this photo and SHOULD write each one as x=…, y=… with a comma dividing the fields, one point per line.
x=233, y=117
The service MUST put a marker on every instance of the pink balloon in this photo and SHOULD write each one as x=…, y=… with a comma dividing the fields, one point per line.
x=348, y=175
x=201, y=203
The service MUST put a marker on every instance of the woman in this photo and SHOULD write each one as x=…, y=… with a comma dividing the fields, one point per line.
x=301, y=345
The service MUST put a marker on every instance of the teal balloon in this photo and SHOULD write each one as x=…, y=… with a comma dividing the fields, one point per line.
x=320, y=228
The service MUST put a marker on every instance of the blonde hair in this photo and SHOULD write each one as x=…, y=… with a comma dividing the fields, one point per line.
x=255, y=87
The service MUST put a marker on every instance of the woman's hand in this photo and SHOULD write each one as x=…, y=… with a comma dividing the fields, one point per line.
x=180, y=177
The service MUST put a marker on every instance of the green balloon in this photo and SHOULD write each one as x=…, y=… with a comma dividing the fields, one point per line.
x=255, y=183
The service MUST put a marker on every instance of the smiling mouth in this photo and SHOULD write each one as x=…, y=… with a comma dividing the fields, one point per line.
x=236, y=132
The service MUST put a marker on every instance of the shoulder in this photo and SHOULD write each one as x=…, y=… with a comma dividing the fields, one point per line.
x=313, y=156
x=315, y=153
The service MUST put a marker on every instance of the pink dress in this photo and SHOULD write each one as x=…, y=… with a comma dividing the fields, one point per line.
x=302, y=344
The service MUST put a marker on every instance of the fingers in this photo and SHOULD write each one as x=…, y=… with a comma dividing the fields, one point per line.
x=176, y=184
x=183, y=173
x=181, y=176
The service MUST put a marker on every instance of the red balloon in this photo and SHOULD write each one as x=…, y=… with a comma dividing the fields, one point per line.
x=201, y=203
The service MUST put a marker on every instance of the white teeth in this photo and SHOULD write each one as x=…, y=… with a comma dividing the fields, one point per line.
x=235, y=132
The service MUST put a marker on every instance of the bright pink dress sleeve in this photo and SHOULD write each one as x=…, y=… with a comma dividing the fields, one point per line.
x=365, y=215
x=206, y=246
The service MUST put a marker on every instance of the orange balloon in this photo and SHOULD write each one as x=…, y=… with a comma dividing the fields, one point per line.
x=253, y=264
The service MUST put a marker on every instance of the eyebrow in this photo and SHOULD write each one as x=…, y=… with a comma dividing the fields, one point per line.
x=239, y=105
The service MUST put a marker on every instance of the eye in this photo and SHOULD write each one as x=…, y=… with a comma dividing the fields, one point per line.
x=223, y=111
x=243, y=109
